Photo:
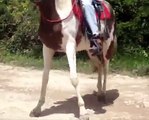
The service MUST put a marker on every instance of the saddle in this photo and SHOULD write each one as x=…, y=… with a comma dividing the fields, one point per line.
x=102, y=13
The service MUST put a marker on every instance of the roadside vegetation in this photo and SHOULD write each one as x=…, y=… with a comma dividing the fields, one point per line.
x=20, y=45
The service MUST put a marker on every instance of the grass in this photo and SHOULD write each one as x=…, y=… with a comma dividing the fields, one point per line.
x=58, y=62
x=132, y=64
x=20, y=60
x=127, y=64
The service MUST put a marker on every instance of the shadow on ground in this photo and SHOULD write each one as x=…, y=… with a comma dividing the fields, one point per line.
x=70, y=105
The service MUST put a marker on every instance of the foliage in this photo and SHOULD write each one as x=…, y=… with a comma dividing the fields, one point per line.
x=19, y=25
x=25, y=40
x=133, y=28
x=7, y=23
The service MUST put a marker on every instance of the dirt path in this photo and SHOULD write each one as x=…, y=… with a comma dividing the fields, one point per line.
x=128, y=97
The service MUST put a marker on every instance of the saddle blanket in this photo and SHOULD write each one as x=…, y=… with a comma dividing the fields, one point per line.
x=104, y=14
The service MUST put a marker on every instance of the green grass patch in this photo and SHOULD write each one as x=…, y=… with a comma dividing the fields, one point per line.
x=132, y=64
x=127, y=64
x=59, y=63
x=20, y=60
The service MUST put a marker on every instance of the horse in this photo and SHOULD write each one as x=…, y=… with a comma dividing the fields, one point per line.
x=60, y=31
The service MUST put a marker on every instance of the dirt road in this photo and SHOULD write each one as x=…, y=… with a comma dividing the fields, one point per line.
x=128, y=97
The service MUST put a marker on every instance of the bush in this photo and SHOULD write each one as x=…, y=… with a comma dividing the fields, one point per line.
x=132, y=25
x=7, y=23
x=19, y=24
x=25, y=40
x=19, y=28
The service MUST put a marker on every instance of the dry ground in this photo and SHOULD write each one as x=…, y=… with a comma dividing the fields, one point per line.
x=128, y=97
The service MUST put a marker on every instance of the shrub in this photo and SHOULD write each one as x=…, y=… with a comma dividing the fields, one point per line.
x=24, y=40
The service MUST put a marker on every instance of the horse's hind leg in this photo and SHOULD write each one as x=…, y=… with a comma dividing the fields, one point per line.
x=105, y=73
x=47, y=55
x=99, y=66
x=99, y=83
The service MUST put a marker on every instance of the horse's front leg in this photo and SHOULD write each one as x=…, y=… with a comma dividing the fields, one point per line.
x=47, y=56
x=71, y=55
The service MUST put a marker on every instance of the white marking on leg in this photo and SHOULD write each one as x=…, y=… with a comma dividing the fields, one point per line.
x=47, y=55
x=71, y=55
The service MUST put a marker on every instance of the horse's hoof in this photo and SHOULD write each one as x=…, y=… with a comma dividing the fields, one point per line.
x=84, y=117
x=35, y=112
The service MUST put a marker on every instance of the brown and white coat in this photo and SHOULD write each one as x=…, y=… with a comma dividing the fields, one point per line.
x=59, y=31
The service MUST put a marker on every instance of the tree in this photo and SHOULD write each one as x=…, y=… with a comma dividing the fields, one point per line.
x=19, y=25
x=132, y=25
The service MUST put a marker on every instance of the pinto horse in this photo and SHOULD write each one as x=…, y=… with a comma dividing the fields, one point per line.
x=59, y=31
